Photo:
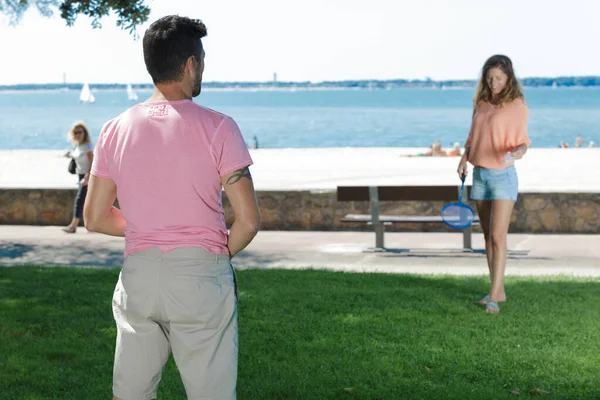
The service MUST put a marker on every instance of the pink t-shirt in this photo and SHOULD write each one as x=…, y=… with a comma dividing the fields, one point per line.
x=166, y=159
x=496, y=130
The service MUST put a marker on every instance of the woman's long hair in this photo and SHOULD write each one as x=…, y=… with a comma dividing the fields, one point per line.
x=511, y=91
x=86, y=133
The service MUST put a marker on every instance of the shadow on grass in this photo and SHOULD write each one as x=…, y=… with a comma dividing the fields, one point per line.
x=322, y=335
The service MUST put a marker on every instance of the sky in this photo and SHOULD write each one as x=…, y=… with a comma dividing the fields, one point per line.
x=317, y=40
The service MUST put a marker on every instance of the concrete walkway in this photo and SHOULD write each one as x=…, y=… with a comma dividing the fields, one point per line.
x=419, y=253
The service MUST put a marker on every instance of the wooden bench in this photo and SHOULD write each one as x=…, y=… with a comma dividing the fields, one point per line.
x=375, y=194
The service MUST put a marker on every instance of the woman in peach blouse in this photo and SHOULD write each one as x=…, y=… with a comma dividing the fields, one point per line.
x=498, y=136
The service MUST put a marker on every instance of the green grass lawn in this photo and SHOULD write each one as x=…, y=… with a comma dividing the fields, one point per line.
x=322, y=335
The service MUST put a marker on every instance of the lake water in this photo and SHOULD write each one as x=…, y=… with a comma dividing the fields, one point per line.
x=307, y=119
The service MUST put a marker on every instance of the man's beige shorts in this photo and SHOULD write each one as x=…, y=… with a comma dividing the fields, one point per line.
x=185, y=302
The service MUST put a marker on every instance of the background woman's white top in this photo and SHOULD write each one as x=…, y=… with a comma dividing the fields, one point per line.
x=81, y=158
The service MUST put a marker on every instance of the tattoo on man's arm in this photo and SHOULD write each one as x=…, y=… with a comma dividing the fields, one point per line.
x=238, y=175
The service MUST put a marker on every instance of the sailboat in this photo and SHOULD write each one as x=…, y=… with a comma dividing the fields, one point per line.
x=131, y=95
x=86, y=95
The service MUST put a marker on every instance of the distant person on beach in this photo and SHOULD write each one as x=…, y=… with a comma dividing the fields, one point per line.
x=434, y=151
x=499, y=126
x=592, y=144
x=168, y=159
x=579, y=141
x=83, y=154
x=455, y=152
x=255, y=142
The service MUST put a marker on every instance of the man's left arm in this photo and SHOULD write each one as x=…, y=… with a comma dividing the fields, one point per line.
x=99, y=214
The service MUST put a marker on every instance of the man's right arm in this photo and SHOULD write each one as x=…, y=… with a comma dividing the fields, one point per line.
x=239, y=188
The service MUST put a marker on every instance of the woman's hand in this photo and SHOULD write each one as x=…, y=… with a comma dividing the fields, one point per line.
x=518, y=152
x=462, y=168
x=83, y=181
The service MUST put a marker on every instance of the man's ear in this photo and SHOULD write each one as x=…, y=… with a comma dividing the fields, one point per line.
x=190, y=66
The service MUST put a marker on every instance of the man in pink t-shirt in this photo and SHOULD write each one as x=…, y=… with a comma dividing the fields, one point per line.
x=167, y=160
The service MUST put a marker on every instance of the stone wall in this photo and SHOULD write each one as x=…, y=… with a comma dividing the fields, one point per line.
x=310, y=210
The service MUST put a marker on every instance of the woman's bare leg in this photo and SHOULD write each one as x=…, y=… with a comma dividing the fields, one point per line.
x=484, y=209
x=500, y=221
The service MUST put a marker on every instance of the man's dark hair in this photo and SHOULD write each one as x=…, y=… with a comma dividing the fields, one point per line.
x=168, y=43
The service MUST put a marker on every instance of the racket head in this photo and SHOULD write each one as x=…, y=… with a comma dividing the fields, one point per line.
x=458, y=215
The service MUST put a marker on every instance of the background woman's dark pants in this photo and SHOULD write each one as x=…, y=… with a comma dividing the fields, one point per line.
x=80, y=199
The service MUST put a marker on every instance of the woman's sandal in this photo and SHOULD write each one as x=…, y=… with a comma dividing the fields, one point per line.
x=69, y=230
x=485, y=300
x=492, y=307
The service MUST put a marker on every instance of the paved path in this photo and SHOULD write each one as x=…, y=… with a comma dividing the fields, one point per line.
x=421, y=253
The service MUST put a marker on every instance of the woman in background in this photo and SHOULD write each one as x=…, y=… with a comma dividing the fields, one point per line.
x=83, y=154
x=498, y=136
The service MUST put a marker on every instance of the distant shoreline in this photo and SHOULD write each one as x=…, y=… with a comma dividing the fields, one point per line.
x=575, y=82
x=270, y=89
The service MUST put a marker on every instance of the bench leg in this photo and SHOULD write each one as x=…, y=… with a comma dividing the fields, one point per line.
x=379, y=231
x=467, y=233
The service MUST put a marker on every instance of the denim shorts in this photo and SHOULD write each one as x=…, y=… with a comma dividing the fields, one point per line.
x=495, y=184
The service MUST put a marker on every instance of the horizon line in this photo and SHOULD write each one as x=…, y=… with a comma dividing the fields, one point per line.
x=308, y=82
